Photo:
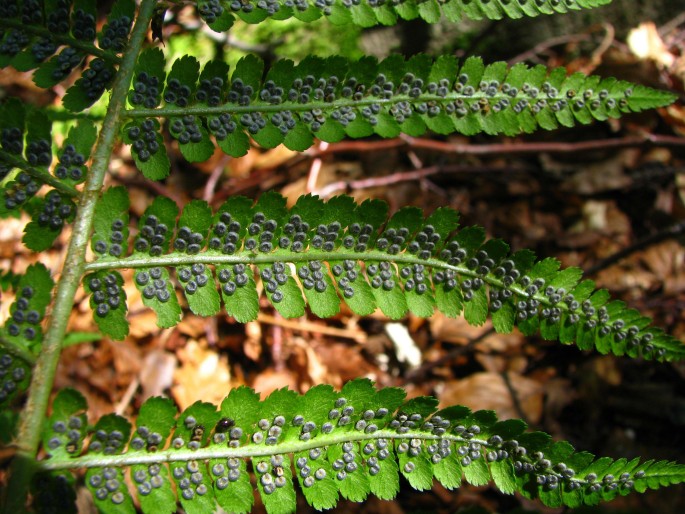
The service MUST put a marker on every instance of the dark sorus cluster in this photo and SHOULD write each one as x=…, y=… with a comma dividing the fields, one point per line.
x=210, y=10
x=8, y=9
x=31, y=12
x=116, y=244
x=189, y=479
x=221, y=126
x=152, y=236
x=144, y=139
x=271, y=473
x=67, y=433
x=310, y=468
x=346, y=274
x=84, y=25
x=153, y=284
x=193, y=277
x=97, y=78
x=24, y=320
x=312, y=276
x=294, y=234
x=186, y=129
x=12, y=373
x=43, y=48
x=71, y=165
x=225, y=235
x=56, y=210
x=12, y=139
x=197, y=433
x=274, y=276
x=226, y=430
x=240, y=93
x=253, y=122
x=115, y=34
x=146, y=90
x=38, y=153
x=188, y=241
x=268, y=431
x=108, y=483
x=231, y=280
x=261, y=233
x=177, y=93
x=381, y=275
x=284, y=121
x=146, y=438
x=416, y=280
x=209, y=91
x=58, y=18
x=20, y=190
x=14, y=42
x=148, y=479
x=67, y=60
x=107, y=294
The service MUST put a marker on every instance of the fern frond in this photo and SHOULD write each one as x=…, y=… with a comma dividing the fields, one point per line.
x=21, y=336
x=55, y=37
x=26, y=156
x=220, y=16
x=335, y=98
x=318, y=254
x=345, y=444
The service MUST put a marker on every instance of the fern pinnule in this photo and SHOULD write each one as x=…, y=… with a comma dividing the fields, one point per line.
x=345, y=444
x=367, y=13
x=333, y=98
x=321, y=254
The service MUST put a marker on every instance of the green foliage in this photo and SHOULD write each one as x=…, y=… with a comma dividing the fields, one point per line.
x=346, y=444
x=310, y=257
x=334, y=98
x=367, y=13
x=321, y=254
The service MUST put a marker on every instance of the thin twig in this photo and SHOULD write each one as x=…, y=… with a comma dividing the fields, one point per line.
x=403, y=176
x=514, y=398
x=668, y=233
x=315, y=169
x=308, y=326
x=213, y=180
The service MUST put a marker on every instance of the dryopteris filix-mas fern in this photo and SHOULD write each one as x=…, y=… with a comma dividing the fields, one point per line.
x=313, y=256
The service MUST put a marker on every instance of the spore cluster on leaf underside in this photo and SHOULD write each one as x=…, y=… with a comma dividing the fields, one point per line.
x=212, y=10
x=343, y=442
x=399, y=96
x=401, y=264
x=13, y=372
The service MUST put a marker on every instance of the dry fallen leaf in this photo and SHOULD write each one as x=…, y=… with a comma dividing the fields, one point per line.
x=203, y=375
x=489, y=391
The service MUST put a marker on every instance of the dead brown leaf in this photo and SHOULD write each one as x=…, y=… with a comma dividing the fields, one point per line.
x=489, y=391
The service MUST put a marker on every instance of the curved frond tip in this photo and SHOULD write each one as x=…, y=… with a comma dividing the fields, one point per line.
x=345, y=444
x=319, y=254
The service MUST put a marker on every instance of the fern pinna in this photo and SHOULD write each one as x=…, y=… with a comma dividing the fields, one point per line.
x=312, y=257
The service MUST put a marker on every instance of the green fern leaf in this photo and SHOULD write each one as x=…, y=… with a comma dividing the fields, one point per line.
x=367, y=13
x=22, y=333
x=319, y=254
x=332, y=98
x=338, y=444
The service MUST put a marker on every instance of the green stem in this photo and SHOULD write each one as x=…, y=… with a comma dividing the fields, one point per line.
x=37, y=173
x=33, y=417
